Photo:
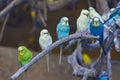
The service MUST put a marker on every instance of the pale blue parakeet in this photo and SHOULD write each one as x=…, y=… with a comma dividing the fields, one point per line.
x=45, y=40
x=93, y=13
x=63, y=30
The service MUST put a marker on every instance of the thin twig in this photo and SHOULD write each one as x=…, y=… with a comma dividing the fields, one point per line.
x=45, y=9
x=8, y=8
x=109, y=66
x=3, y=27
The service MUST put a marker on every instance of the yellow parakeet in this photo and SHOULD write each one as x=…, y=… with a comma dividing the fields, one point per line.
x=86, y=59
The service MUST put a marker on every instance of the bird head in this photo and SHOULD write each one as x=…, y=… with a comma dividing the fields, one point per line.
x=85, y=13
x=112, y=9
x=64, y=21
x=96, y=21
x=21, y=50
x=91, y=8
x=44, y=33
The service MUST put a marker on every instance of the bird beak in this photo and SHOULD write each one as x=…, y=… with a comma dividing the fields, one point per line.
x=87, y=15
x=21, y=54
x=65, y=22
x=96, y=23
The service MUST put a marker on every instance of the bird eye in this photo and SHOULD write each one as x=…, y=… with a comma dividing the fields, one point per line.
x=45, y=33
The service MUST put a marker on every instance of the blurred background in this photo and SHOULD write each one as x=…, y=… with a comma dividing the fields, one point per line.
x=20, y=30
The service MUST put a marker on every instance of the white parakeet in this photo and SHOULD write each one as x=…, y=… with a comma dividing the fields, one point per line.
x=106, y=16
x=93, y=13
x=45, y=40
x=83, y=21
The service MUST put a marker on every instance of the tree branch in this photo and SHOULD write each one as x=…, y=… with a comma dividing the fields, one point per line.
x=109, y=66
x=8, y=8
x=48, y=49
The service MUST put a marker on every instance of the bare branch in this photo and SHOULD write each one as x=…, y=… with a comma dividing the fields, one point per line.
x=3, y=27
x=10, y=7
x=109, y=66
x=76, y=62
x=48, y=49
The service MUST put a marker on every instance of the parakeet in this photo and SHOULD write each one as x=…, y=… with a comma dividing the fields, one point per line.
x=106, y=16
x=111, y=18
x=24, y=55
x=83, y=21
x=97, y=29
x=45, y=40
x=86, y=59
x=115, y=11
x=93, y=13
x=103, y=76
x=63, y=30
x=110, y=21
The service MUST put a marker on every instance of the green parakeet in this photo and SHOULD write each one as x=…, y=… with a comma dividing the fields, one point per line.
x=24, y=55
x=44, y=41
x=83, y=21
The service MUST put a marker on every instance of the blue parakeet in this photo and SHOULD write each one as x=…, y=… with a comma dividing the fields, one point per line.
x=103, y=78
x=63, y=30
x=97, y=29
x=45, y=40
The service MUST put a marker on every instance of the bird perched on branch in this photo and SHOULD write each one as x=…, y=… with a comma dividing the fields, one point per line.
x=45, y=40
x=83, y=21
x=110, y=22
x=106, y=16
x=115, y=11
x=24, y=55
x=93, y=13
x=63, y=30
x=97, y=29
